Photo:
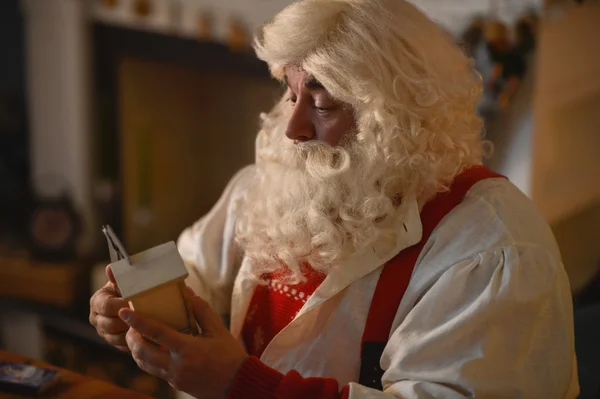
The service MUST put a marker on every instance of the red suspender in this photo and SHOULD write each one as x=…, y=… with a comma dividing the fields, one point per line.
x=396, y=275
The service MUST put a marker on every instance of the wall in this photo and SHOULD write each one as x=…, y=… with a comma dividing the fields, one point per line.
x=566, y=103
x=566, y=165
x=56, y=37
x=512, y=135
x=579, y=241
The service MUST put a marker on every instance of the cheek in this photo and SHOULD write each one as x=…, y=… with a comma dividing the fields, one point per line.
x=334, y=130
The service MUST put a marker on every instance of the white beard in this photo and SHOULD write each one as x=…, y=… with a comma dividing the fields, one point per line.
x=315, y=204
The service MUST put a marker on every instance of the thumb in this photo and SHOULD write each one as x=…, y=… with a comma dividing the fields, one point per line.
x=111, y=278
x=206, y=318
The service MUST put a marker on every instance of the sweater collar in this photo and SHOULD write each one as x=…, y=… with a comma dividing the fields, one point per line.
x=410, y=233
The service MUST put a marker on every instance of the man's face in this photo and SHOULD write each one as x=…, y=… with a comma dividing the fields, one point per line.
x=315, y=115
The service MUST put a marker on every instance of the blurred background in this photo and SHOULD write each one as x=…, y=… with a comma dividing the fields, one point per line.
x=135, y=113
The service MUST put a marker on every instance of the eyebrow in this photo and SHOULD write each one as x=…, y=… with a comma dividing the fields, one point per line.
x=311, y=83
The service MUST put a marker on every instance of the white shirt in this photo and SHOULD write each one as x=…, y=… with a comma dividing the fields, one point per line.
x=487, y=313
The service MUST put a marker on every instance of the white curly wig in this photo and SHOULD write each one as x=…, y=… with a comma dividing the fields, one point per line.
x=414, y=94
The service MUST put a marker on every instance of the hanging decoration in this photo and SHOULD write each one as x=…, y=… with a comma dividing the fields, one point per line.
x=204, y=29
x=229, y=23
x=142, y=8
x=237, y=38
x=109, y=3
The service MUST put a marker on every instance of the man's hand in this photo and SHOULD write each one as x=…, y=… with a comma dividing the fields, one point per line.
x=203, y=366
x=104, y=313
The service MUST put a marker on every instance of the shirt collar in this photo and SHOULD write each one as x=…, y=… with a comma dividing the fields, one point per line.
x=410, y=232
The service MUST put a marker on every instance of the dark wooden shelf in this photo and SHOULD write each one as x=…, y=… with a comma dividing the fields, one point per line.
x=56, y=284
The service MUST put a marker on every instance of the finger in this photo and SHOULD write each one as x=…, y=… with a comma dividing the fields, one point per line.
x=104, y=302
x=148, y=356
x=110, y=325
x=116, y=340
x=188, y=294
x=107, y=290
x=207, y=319
x=155, y=331
x=112, y=289
x=111, y=278
x=123, y=348
x=93, y=316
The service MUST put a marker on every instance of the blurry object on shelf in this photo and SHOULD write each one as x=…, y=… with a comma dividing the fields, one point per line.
x=189, y=18
x=205, y=26
x=473, y=36
x=519, y=60
x=109, y=3
x=474, y=42
x=502, y=55
x=142, y=8
x=525, y=33
x=238, y=38
x=54, y=229
x=499, y=47
x=160, y=16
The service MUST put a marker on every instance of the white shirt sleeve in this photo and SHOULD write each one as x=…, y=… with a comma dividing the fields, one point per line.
x=209, y=251
x=484, y=330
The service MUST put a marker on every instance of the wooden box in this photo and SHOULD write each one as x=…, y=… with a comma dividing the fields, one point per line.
x=153, y=283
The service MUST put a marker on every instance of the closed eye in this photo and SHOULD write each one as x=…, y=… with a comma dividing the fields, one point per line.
x=323, y=110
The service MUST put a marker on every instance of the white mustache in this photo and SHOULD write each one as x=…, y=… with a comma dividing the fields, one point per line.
x=320, y=160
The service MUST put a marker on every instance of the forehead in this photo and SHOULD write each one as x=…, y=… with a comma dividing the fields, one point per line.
x=297, y=78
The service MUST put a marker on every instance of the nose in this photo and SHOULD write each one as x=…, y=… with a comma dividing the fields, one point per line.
x=300, y=127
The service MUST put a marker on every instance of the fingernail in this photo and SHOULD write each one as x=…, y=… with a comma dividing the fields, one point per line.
x=126, y=315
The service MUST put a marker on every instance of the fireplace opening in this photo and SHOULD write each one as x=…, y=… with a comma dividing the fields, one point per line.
x=175, y=119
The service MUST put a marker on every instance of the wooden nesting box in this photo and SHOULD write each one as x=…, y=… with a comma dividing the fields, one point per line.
x=153, y=283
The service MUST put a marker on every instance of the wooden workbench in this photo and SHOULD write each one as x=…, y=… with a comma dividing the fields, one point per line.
x=72, y=385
